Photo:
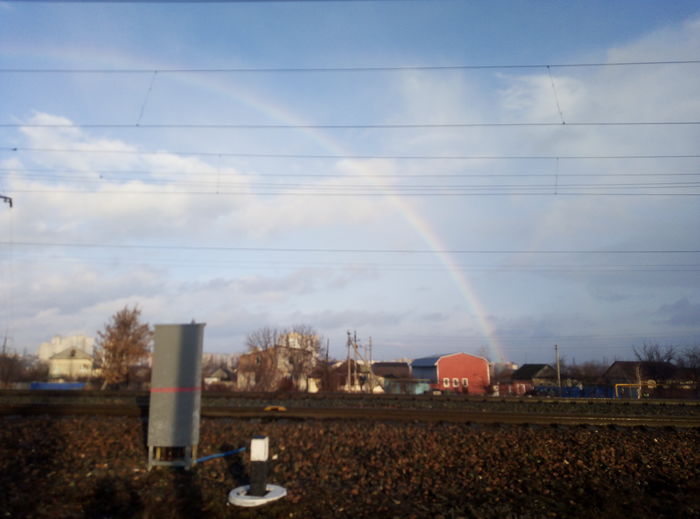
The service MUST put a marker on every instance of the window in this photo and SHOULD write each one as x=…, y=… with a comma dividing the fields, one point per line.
x=446, y=382
x=465, y=382
x=455, y=382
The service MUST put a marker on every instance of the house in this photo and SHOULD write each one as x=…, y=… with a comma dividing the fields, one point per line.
x=71, y=363
x=456, y=372
x=535, y=375
x=405, y=386
x=275, y=368
x=631, y=372
x=395, y=378
x=391, y=369
x=527, y=377
x=219, y=378
x=58, y=343
x=638, y=378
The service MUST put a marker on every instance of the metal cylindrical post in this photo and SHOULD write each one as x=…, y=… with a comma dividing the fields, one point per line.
x=258, y=479
x=259, y=453
x=259, y=492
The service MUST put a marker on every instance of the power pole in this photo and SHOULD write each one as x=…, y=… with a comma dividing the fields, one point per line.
x=371, y=369
x=347, y=380
x=556, y=353
x=354, y=347
x=7, y=200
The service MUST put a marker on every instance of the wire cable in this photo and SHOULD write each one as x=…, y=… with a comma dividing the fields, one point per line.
x=123, y=173
x=344, y=251
x=345, y=156
x=285, y=70
x=351, y=126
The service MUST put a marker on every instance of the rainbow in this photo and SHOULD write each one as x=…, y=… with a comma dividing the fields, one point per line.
x=285, y=116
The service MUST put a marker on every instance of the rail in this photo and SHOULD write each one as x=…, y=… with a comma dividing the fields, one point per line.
x=374, y=414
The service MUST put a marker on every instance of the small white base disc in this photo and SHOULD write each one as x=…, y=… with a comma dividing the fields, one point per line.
x=239, y=496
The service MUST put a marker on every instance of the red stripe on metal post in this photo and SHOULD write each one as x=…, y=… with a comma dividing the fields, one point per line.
x=175, y=389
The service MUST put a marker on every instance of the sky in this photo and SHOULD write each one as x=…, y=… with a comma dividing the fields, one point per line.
x=436, y=176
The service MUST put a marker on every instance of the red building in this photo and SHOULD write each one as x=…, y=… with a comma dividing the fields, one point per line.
x=458, y=372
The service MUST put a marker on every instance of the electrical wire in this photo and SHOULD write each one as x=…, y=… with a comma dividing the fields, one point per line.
x=541, y=192
x=343, y=251
x=272, y=266
x=423, y=126
x=285, y=70
x=659, y=156
x=286, y=184
x=122, y=174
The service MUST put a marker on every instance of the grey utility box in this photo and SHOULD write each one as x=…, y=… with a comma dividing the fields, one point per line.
x=176, y=383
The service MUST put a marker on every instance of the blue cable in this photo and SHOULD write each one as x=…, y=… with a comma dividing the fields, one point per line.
x=220, y=455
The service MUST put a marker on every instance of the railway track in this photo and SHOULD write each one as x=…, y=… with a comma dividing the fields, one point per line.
x=372, y=414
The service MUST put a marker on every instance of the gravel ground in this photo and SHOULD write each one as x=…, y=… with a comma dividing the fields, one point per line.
x=88, y=467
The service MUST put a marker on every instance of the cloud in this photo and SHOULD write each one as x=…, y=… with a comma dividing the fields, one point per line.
x=435, y=317
x=126, y=194
x=680, y=313
x=349, y=319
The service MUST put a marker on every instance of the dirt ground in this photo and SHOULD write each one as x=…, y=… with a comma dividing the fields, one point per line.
x=88, y=467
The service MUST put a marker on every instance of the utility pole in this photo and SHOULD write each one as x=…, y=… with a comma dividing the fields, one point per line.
x=371, y=369
x=347, y=380
x=7, y=200
x=556, y=353
x=354, y=347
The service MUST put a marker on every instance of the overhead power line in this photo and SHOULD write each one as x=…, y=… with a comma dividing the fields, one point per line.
x=268, y=265
x=136, y=174
x=348, y=156
x=541, y=192
x=286, y=70
x=350, y=126
x=362, y=189
x=345, y=251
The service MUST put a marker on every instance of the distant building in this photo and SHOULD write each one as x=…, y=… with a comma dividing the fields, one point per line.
x=456, y=372
x=58, y=344
x=275, y=368
x=71, y=363
x=535, y=374
x=631, y=372
x=527, y=377
x=228, y=360
x=395, y=378
x=397, y=370
x=301, y=341
x=638, y=379
x=219, y=377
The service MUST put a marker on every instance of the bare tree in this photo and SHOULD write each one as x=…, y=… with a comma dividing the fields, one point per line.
x=306, y=338
x=10, y=368
x=262, y=339
x=501, y=373
x=483, y=352
x=125, y=341
x=279, y=357
x=655, y=353
x=324, y=372
x=690, y=357
x=689, y=361
x=587, y=373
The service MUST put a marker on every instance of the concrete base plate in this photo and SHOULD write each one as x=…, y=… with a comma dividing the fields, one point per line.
x=239, y=496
